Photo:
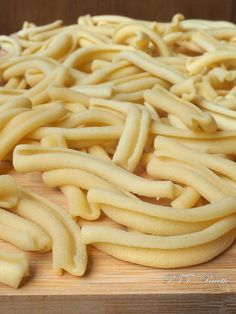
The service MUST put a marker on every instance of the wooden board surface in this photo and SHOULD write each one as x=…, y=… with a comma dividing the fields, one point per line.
x=109, y=282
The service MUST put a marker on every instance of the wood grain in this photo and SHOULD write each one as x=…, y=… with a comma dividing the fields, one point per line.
x=14, y=12
x=113, y=284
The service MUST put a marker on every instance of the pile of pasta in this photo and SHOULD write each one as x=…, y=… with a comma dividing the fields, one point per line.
x=132, y=120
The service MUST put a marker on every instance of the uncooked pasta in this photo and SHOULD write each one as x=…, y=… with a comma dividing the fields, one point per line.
x=134, y=122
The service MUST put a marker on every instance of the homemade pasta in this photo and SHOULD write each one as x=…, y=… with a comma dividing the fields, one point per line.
x=134, y=122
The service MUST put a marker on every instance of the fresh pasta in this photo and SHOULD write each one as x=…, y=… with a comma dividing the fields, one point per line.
x=134, y=122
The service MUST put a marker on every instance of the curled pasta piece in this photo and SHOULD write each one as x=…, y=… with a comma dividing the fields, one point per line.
x=8, y=94
x=24, y=123
x=224, y=123
x=82, y=56
x=76, y=177
x=204, y=24
x=150, y=224
x=204, y=181
x=106, y=71
x=67, y=95
x=30, y=32
x=186, y=88
x=18, y=66
x=195, y=66
x=68, y=251
x=13, y=268
x=125, y=31
x=76, y=197
x=155, y=67
x=78, y=204
x=32, y=157
x=137, y=85
x=169, y=258
x=23, y=233
x=101, y=234
x=214, y=107
x=38, y=94
x=128, y=152
x=221, y=208
x=12, y=108
x=221, y=145
x=10, y=46
x=218, y=164
x=187, y=199
x=60, y=47
x=75, y=134
x=191, y=115
x=91, y=117
x=206, y=41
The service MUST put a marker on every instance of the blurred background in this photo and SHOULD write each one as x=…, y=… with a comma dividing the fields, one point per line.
x=14, y=12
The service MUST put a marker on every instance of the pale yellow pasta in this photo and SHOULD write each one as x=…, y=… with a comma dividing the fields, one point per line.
x=29, y=157
x=169, y=147
x=169, y=258
x=204, y=181
x=78, y=204
x=206, y=90
x=130, y=119
x=18, y=66
x=128, y=153
x=123, y=33
x=25, y=122
x=76, y=197
x=91, y=117
x=82, y=56
x=60, y=47
x=76, y=177
x=148, y=223
x=83, y=133
x=68, y=251
x=187, y=199
x=186, y=88
x=23, y=233
x=96, y=234
x=67, y=95
x=196, y=65
x=187, y=112
x=8, y=192
x=176, y=122
x=150, y=65
x=224, y=123
x=99, y=151
x=206, y=41
x=13, y=268
x=221, y=208
x=11, y=48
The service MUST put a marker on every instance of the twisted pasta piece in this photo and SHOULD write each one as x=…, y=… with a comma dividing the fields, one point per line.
x=25, y=122
x=124, y=32
x=69, y=253
x=155, y=67
x=166, y=147
x=169, y=258
x=32, y=157
x=187, y=112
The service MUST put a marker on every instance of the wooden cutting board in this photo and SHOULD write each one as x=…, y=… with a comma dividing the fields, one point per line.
x=114, y=286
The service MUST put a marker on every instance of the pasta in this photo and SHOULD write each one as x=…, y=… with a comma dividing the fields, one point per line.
x=133, y=121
